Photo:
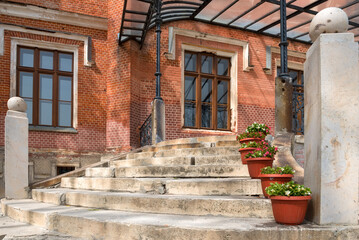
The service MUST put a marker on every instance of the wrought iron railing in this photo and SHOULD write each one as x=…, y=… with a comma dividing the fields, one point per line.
x=298, y=109
x=146, y=132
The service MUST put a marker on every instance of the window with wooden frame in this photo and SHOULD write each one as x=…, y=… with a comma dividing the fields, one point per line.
x=206, y=95
x=45, y=82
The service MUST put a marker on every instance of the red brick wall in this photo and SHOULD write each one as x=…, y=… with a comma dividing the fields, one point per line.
x=115, y=94
x=89, y=7
x=91, y=89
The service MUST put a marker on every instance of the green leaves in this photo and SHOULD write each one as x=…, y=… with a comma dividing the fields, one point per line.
x=287, y=189
x=256, y=130
x=263, y=150
x=278, y=170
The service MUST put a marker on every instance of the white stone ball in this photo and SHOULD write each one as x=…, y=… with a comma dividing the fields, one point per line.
x=17, y=104
x=329, y=20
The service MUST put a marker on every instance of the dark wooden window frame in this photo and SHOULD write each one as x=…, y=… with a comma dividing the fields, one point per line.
x=215, y=78
x=55, y=72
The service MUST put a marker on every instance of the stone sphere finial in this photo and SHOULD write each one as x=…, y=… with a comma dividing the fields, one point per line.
x=17, y=104
x=329, y=20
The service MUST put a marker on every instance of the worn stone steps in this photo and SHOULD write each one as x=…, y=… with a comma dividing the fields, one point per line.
x=153, y=161
x=227, y=143
x=193, y=186
x=186, y=152
x=231, y=206
x=229, y=159
x=209, y=139
x=181, y=171
x=93, y=223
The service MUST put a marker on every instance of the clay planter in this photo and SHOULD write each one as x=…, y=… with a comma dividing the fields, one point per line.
x=247, y=140
x=244, y=152
x=267, y=179
x=289, y=210
x=256, y=164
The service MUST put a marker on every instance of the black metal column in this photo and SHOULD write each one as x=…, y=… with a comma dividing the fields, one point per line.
x=158, y=5
x=283, y=38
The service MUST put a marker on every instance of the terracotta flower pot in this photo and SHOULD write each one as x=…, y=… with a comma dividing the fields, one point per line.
x=256, y=164
x=244, y=152
x=247, y=140
x=289, y=210
x=267, y=179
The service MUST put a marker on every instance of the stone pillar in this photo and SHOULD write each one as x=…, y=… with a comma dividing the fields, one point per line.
x=158, y=121
x=332, y=128
x=16, y=149
x=283, y=105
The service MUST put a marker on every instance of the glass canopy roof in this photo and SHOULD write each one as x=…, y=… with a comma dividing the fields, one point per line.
x=261, y=16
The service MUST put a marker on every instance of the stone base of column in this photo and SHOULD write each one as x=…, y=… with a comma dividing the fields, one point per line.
x=283, y=105
x=158, y=121
x=16, y=155
x=332, y=129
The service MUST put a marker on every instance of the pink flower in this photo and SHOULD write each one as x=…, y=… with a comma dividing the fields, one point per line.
x=267, y=153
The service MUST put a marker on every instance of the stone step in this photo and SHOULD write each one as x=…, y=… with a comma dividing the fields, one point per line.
x=214, y=186
x=231, y=206
x=230, y=159
x=193, y=186
x=90, y=223
x=165, y=147
x=153, y=161
x=209, y=139
x=181, y=171
x=100, y=172
x=198, y=151
x=142, y=185
x=228, y=143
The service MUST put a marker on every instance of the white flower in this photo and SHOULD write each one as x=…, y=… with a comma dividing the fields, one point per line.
x=287, y=193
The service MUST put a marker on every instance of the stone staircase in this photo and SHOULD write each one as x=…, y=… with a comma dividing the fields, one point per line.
x=195, y=188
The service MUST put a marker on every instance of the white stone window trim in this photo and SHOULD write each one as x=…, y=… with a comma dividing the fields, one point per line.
x=173, y=31
x=15, y=42
x=233, y=84
x=291, y=65
x=84, y=39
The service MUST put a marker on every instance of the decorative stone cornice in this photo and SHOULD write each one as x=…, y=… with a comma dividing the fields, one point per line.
x=51, y=15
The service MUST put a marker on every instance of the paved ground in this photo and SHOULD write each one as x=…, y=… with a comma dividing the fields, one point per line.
x=10, y=229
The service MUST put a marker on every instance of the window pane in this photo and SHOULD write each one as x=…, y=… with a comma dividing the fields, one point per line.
x=26, y=84
x=45, y=86
x=65, y=88
x=222, y=94
x=222, y=117
x=190, y=88
x=65, y=62
x=206, y=91
x=46, y=60
x=45, y=112
x=190, y=62
x=64, y=114
x=189, y=114
x=206, y=64
x=206, y=116
x=222, y=67
x=26, y=57
x=29, y=109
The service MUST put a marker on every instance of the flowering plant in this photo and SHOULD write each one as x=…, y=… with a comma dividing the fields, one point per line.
x=288, y=189
x=250, y=135
x=264, y=150
x=278, y=170
x=258, y=127
x=251, y=145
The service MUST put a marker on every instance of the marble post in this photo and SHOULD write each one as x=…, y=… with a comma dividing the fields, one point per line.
x=332, y=128
x=158, y=121
x=16, y=149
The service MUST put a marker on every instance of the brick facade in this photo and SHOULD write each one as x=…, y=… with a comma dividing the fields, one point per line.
x=115, y=93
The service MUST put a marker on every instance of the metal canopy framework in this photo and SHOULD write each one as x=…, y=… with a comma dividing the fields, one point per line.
x=261, y=16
